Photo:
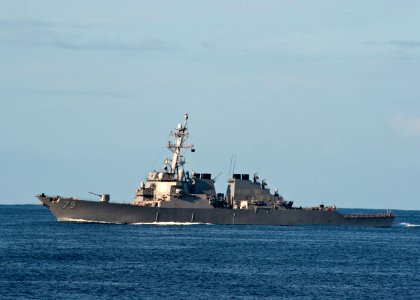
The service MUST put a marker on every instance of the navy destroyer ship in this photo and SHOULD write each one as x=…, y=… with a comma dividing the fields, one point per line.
x=174, y=195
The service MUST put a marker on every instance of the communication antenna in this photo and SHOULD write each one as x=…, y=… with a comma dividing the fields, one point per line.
x=230, y=166
x=234, y=165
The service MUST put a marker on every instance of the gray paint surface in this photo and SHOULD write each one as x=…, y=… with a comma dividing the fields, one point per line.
x=69, y=209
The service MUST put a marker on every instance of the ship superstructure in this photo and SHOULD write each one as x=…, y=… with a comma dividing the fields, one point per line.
x=172, y=186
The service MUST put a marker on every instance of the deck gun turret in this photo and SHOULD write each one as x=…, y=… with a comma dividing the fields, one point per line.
x=104, y=197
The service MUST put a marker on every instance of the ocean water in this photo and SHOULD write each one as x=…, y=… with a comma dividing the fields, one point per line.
x=43, y=259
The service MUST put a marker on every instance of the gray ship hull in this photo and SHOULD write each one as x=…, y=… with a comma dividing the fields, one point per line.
x=73, y=210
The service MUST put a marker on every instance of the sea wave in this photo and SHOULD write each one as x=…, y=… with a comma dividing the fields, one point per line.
x=172, y=223
x=84, y=221
x=153, y=223
x=406, y=224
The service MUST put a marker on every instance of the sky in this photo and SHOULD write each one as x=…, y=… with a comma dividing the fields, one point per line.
x=321, y=98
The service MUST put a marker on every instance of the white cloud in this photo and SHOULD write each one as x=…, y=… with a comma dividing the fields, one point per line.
x=81, y=42
x=406, y=124
x=75, y=36
x=409, y=44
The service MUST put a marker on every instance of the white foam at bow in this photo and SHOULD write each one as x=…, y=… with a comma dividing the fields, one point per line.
x=84, y=221
x=154, y=223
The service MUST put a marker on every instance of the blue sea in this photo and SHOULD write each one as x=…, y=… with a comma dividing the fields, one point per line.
x=43, y=259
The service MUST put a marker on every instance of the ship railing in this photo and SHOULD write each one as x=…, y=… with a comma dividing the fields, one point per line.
x=368, y=216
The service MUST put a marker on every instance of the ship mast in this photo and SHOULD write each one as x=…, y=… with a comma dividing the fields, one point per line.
x=181, y=134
